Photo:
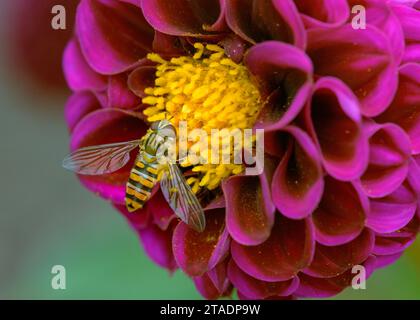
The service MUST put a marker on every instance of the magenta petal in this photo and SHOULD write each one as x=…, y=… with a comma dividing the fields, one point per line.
x=340, y=217
x=285, y=76
x=257, y=289
x=393, y=212
x=78, y=106
x=323, y=13
x=260, y=20
x=369, y=70
x=219, y=278
x=398, y=241
x=102, y=127
x=142, y=78
x=206, y=287
x=78, y=73
x=298, y=181
x=138, y=220
x=197, y=253
x=113, y=35
x=119, y=96
x=405, y=109
x=249, y=209
x=289, y=249
x=162, y=214
x=380, y=14
x=390, y=150
x=157, y=245
x=184, y=17
x=385, y=261
x=311, y=287
x=335, y=122
x=332, y=261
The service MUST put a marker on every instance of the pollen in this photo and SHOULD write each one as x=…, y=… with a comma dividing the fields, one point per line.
x=206, y=91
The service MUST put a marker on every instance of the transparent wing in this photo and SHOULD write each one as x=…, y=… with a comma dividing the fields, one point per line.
x=102, y=159
x=181, y=198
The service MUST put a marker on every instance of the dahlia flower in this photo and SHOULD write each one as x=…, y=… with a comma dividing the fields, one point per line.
x=341, y=112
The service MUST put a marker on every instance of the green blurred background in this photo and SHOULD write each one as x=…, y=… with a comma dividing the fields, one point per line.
x=47, y=218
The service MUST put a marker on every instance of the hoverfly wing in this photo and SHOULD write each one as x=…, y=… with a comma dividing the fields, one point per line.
x=102, y=159
x=181, y=198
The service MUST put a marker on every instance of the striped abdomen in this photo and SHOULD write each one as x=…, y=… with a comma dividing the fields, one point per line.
x=143, y=178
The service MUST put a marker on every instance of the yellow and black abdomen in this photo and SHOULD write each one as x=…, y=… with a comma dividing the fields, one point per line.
x=143, y=178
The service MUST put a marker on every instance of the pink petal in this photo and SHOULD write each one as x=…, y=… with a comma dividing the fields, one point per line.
x=323, y=13
x=78, y=106
x=142, y=78
x=158, y=246
x=184, y=17
x=298, y=181
x=257, y=289
x=249, y=209
x=311, y=287
x=335, y=123
x=162, y=213
x=113, y=35
x=330, y=262
x=398, y=241
x=119, y=95
x=363, y=60
x=260, y=20
x=197, y=253
x=288, y=250
x=78, y=73
x=138, y=220
x=340, y=217
x=405, y=109
x=388, y=161
x=393, y=212
x=284, y=74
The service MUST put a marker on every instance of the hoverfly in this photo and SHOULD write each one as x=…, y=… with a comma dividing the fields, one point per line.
x=149, y=168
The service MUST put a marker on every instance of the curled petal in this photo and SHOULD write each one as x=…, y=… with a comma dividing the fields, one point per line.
x=78, y=73
x=405, y=109
x=340, y=216
x=249, y=209
x=257, y=289
x=218, y=275
x=311, y=287
x=157, y=245
x=392, y=212
x=103, y=127
x=284, y=74
x=390, y=150
x=184, y=17
x=332, y=261
x=298, y=181
x=119, y=96
x=396, y=242
x=323, y=13
x=363, y=60
x=335, y=122
x=260, y=20
x=381, y=15
x=78, y=106
x=197, y=253
x=142, y=78
x=113, y=35
x=288, y=250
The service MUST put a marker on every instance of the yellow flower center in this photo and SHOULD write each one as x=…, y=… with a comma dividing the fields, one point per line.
x=207, y=91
